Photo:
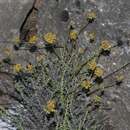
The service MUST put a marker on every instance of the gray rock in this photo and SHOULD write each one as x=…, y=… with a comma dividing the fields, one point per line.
x=12, y=14
x=113, y=22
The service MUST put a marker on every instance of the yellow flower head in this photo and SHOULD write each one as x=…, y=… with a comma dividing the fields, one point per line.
x=92, y=36
x=86, y=84
x=92, y=64
x=91, y=16
x=17, y=67
x=33, y=39
x=105, y=45
x=97, y=99
x=29, y=67
x=73, y=35
x=99, y=72
x=16, y=40
x=50, y=38
x=7, y=51
x=51, y=106
x=119, y=78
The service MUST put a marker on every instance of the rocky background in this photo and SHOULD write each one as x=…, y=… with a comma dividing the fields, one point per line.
x=113, y=23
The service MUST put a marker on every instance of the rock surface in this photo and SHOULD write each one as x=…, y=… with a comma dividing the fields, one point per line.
x=113, y=22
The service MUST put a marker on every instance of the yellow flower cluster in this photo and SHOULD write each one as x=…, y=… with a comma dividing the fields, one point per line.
x=73, y=35
x=50, y=38
x=87, y=84
x=51, y=106
x=17, y=68
x=119, y=78
x=99, y=72
x=91, y=16
x=33, y=39
x=105, y=45
x=92, y=65
x=29, y=68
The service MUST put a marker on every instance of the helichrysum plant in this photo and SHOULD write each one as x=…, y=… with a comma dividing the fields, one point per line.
x=62, y=89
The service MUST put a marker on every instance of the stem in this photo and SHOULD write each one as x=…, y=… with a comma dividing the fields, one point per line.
x=80, y=68
x=98, y=89
x=66, y=115
x=82, y=29
x=82, y=122
x=124, y=66
x=61, y=87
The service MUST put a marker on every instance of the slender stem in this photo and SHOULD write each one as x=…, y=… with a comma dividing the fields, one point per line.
x=83, y=121
x=82, y=29
x=124, y=66
x=98, y=89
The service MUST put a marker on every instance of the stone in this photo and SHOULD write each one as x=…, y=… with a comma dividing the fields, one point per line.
x=113, y=18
